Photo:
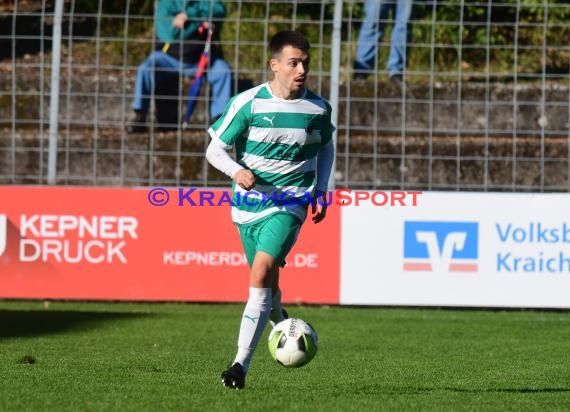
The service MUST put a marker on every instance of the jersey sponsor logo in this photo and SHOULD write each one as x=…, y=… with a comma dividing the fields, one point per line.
x=441, y=246
x=292, y=153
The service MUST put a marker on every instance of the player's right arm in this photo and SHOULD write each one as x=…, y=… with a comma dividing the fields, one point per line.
x=221, y=160
x=232, y=125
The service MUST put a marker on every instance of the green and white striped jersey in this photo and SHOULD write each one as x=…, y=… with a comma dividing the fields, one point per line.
x=278, y=140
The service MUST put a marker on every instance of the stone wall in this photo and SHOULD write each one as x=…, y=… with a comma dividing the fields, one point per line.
x=451, y=140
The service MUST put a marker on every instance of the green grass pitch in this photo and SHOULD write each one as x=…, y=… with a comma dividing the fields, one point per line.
x=69, y=356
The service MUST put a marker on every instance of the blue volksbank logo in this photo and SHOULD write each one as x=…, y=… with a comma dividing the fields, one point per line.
x=441, y=246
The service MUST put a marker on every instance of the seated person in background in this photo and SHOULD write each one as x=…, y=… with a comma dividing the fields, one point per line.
x=181, y=28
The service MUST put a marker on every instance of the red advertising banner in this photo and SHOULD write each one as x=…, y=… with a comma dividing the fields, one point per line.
x=114, y=244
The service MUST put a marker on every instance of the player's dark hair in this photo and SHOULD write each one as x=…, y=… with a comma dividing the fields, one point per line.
x=287, y=38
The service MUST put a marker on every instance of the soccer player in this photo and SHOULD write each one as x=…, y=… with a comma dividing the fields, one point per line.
x=282, y=134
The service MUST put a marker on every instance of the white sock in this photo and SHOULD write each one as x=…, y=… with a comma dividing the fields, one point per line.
x=253, y=321
x=276, y=308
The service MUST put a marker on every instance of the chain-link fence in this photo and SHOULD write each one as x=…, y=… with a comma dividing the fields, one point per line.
x=484, y=103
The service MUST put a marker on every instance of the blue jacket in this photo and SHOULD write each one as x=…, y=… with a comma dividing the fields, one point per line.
x=186, y=43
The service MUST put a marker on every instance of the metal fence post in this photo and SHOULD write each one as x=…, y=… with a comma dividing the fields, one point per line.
x=54, y=92
x=335, y=77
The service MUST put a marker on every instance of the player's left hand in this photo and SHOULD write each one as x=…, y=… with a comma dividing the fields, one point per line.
x=319, y=206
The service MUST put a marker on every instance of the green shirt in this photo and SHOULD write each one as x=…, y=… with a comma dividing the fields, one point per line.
x=278, y=140
x=197, y=12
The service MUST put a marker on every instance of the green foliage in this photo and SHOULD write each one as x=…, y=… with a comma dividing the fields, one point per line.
x=493, y=35
x=472, y=37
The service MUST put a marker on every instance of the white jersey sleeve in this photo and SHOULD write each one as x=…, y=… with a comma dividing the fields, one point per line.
x=220, y=158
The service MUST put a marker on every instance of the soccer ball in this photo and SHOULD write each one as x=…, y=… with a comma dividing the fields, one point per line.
x=293, y=343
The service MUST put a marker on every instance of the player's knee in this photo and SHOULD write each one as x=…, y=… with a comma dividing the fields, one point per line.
x=263, y=271
x=260, y=278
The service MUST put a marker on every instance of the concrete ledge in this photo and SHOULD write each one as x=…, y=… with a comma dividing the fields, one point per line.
x=418, y=109
x=111, y=157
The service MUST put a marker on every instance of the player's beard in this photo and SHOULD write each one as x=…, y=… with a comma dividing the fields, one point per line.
x=298, y=86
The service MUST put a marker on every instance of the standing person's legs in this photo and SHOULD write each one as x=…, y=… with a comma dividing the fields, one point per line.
x=401, y=35
x=370, y=35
